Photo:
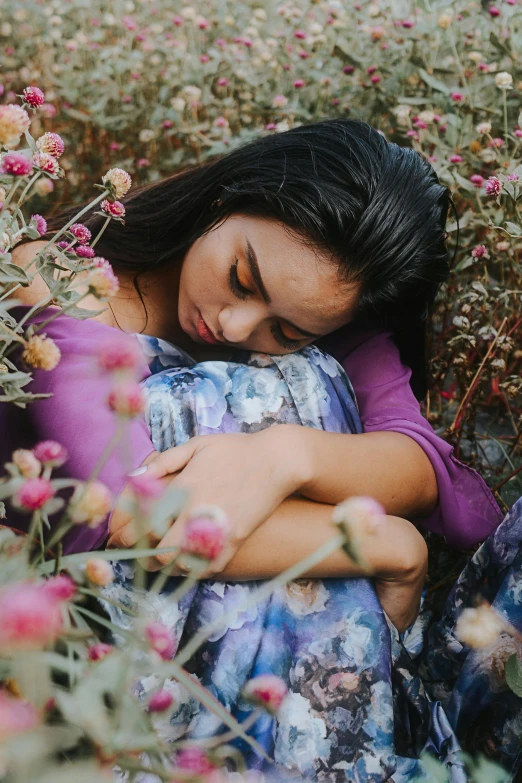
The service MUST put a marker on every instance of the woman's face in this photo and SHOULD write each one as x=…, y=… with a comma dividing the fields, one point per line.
x=249, y=284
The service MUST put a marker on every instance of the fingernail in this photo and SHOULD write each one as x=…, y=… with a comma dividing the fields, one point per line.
x=138, y=471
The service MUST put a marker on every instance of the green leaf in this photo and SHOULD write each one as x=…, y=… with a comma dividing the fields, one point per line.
x=433, y=82
x=513, y=672
x=344, y=50
x=81, y=313
x=10, y=273
x=513, y=228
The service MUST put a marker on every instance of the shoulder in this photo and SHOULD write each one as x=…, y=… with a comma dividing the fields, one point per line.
x=22, y=256
x=357, y=339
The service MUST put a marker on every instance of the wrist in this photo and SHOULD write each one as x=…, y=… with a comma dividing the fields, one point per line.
x=292, y=460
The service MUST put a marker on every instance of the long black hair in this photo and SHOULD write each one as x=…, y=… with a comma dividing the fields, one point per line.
x=378, y=209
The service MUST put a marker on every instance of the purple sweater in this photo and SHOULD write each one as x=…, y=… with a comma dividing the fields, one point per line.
x=77, y=416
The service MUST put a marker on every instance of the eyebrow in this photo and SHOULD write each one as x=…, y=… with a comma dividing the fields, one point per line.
x=253, y=266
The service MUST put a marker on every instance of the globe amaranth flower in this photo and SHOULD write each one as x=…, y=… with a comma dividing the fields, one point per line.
x=493, y=186
x=33, y=96
x=267, y=691
x=512, y=177
x=126, y=399
x=33, y=494
x=43, y=186
x=298, y=83
x=119, y=354
x=61, y=587
x=114, y=209
x=504, y=80
x=50, y=453
x=479, y=627
x=16, y=716
x=16, y=164
x=14, y=121
x=160, y=701
x=81, y=233
x=480, y=251
x=41, y=352
x=84, y=251
x=146, y=487
x=26, y=463
x=90, y=504
x=51, y=144
x=46, y=162
x=98, y=651
x=458, y=97
x=30, y=617
x=206, y=532
x=483, y=128
x=494, y=11
x=456, y=159
x=99, y=572
x=359, y=517
x=477, y=180
x=161, y=640
x=119, y=181
x=101, y=280
x=41, y=224
x=194, y=760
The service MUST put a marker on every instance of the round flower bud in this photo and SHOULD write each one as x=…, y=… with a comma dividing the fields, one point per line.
x=483, y=128
x=41, y=224
x=493, y=186
x=504, y=80
x=84, y=251
x=61, y=587
x=279, y=101
x=51, y=143
x=90, y=504
x=30, y=617
x=102, y=280
x=46, y=162
x=116, y=209
x=26, y=463
x=194, y=760
x=161, y=640
x=33, y=96
x=160, y=701
x=99, y=571
x=33, y=494
x=126, y=399
x=81, y=233
x=478, y=627
x=16, y=164
x=98, y=651
x=206, y=532
x=119, y=354
x=445, y=19
x=16, y=716
x=14, y=121
x=41, y=352
x=51, y=453
x=119, y=180
x=267, y=691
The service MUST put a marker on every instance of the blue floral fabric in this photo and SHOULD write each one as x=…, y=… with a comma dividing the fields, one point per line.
x=357, y=709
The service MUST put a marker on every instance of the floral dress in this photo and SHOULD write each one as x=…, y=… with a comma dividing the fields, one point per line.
x=357, y=709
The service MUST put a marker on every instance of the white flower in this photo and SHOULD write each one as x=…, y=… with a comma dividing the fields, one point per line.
x=426, y=116
x=488, y=155
x=120, y=181
x=402, y=112
x=147, y=134
x=191, y=91
x=461, y=322
x=445, y=19
x=504, y=80
x=483, y=127
x=478, y=627
x=178, y=104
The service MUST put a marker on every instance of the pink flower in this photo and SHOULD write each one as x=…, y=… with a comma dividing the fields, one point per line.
x=81, y=233
x=222, y=82
x=375, y=79
x=63, y=244
x=26, y=463
x=51, y=143
x=206, y=532
x=16, y=716
x=413, y=134
x=114, y=146
x=408, y=24
x=46, y=162
x=142, y=163
x=420, y=125
x=300, y=34
x=221, y=122
x=41, y=224
x=30, y=617
x=48, y=110
x=160, y=701
x=496, y=142
x=203, y=24
x=98, y=651
x=16, y=164
x=270, y=126
x=126, y=399
x=146, y=487
x=348, y=69
x=493, y=186
x=129, y=23
x=168, y=124
x=297, y=83
x=494, y=11
x=99, y=571
x=194, y=760
x=479, y=251
x=484, y=67
x=33, y=96
x=512, y=177
x=119, y=354
x=518, y=132
x=456, y=158
x=13, y=122
x=115, y=209
x=267, y=691
x=50, y=453
x=161, y=640
x=458, y=97
x=477, y=180
x=61, y=587
x=90, y=504
x=34, y=494
x=84, y=251
x=178, y=21
x=102, y=280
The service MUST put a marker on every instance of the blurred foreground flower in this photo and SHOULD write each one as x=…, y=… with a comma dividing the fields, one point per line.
x=267, y=691
x=16, y=716
x=90, y=504
x=206, y=532
x=358, y=517
x=14, y=121
x=30, y=616
x=41, y=352
x=479, y=627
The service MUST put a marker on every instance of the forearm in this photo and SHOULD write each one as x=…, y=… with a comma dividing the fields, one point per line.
x=388, y=466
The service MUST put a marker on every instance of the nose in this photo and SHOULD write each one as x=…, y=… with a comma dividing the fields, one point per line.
x=237, y=323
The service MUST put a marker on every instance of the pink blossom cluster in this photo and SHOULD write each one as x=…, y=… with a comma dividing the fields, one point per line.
x=267, y=691
x=493, y=186
x=33, y=96
x=16, y=164
x=161, y=640
x=206, y=532
x=31, y=613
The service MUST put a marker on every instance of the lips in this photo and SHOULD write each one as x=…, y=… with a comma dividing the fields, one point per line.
x=205, y=333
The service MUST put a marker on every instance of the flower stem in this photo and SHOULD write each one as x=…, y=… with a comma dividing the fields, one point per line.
x=107, y=220
x=27, y=187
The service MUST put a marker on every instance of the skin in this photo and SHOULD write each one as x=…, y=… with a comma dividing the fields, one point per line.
x=300, y=292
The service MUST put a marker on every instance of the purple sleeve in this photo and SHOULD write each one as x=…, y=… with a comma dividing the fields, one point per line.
x=77, y=415
x=467, y=511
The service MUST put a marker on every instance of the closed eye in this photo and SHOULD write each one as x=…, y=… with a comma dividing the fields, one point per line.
x=235, y=284
x=283, y=340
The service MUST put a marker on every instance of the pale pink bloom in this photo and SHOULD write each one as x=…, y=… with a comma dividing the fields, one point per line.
x=203, y=24
x=267, y=691
x=114, y=146
x=375, y=79
x=84, y=251
x=479, y=627
x=119, y=354
x=61, y=587
x=46, y=162
x=51, y=143
x=168, y=124
x=458, y=97
x=16, y=716
x=480, y=251
x=48, y=110
x=126, y=399
x=98, y=651
x=14, y=121
x=34, y=494
x=161, y=640
x=413, y=134
x=146, y=487
x=371, y=69
x=300, y=34
x=512, y=177
x=297, y=83
x=279, y=101
x=51, y=453
x=178, y=21
x=142, y=163
x=304, y=55
x=501, y=246
x=44, y=186
x=270, y=126
x=194, y=760
x=90, y=504
x=496, y=142
x=119, y=181
x=41, y=224
x=16, y=164
x=81, y=233
x=420, y=124
x=99, y=572
x=437, y=118
x=494, y=11
x=30, y=617
x=484, y=67
x=518, y=132
x=493, y=186
x=221, y=122
x=102, y=279
x=129, y=23
x=359, y=517
x=222, y=82
x=160, y=701
x=456, y=158
x=33, y=96
x=116, y=208
x=26, y=463
x=477, y=180
x=206, y=532
x=41, y=352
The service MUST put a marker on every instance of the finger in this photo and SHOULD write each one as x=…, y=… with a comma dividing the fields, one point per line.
x=173, y=537
x=130, y=534
x=169, y=461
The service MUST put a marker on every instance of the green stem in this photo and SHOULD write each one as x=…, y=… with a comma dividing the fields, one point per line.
x=107, y=221
x=461, y=69
x=111, y=445
x=10, y=195
x=504, y=101
x=59, y=312
x=27, y=187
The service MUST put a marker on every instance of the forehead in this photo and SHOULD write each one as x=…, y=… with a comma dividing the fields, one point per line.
x=300, y=279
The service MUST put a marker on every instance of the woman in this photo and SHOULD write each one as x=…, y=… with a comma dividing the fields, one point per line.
x=327, y=228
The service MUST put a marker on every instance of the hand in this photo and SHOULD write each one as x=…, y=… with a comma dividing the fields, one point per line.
x=247, y=475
